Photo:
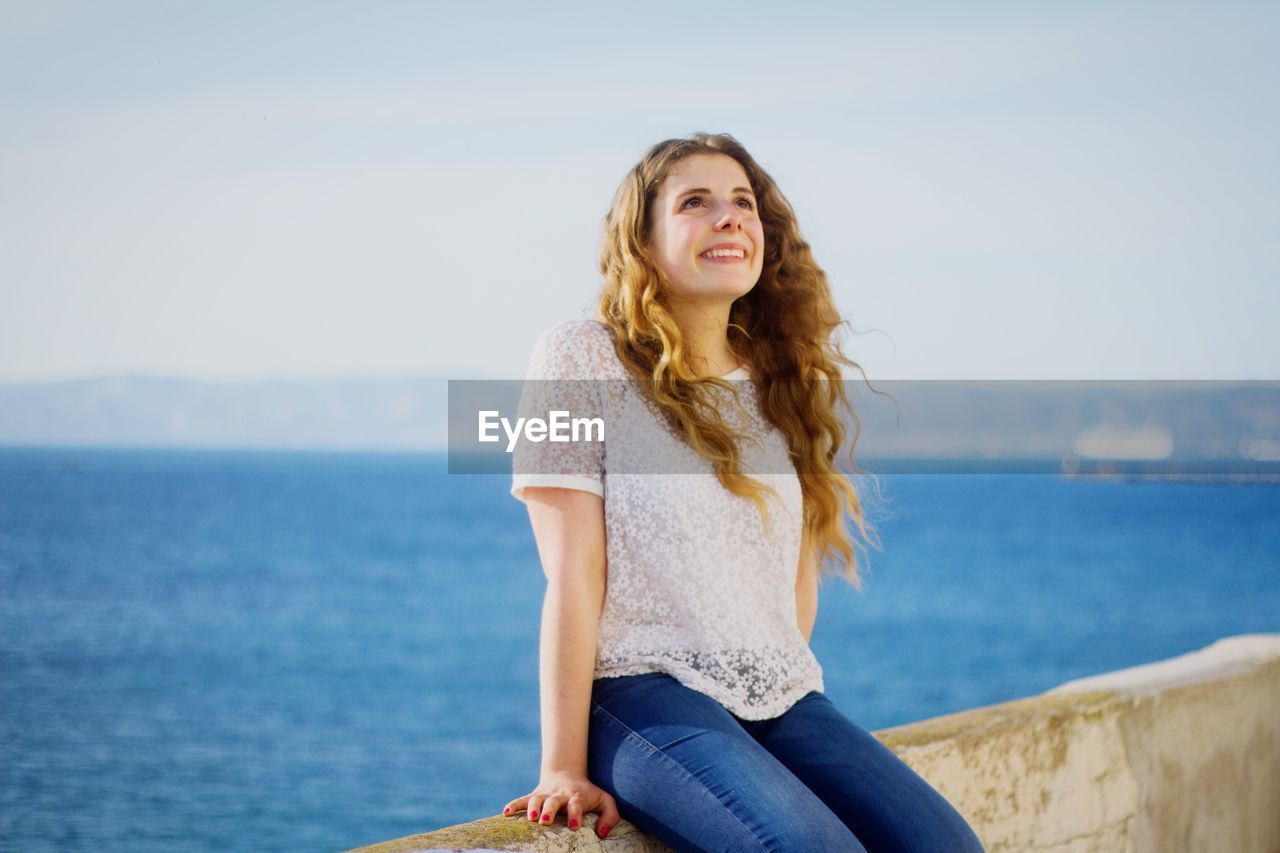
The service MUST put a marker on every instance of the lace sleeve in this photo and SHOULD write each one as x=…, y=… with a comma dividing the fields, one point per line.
x=565, y=376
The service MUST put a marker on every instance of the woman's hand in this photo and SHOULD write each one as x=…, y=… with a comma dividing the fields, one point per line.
x=575, y=793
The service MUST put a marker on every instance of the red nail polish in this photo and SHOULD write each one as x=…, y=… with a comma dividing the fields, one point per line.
x=604, y=833
x=573, y=824
x=506, y=811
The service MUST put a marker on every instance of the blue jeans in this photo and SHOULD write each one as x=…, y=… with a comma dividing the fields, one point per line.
x=691, y=774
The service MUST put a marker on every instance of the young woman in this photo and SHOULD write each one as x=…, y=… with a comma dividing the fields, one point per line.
x=682, y=553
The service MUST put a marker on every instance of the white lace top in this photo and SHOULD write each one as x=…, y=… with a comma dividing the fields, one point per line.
x=697, y=586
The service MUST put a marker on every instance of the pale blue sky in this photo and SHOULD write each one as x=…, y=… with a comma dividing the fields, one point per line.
x=1003, y=190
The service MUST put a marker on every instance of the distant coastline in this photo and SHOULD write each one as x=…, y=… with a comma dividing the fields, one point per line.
x=1194, y=431
x=322, y=414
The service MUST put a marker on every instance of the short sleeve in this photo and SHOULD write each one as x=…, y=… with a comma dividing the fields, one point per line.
x=564, y=381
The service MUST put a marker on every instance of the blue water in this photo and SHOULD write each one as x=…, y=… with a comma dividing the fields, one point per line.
x=211, y=650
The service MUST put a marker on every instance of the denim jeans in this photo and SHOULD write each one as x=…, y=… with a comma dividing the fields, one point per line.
x=693, y=775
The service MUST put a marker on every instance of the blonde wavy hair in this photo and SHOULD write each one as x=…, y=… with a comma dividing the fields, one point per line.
x=784, y=328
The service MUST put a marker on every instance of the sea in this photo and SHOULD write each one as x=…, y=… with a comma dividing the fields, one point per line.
x=269, y=650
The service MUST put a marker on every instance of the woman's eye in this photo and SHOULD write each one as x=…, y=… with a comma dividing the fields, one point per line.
x=743, y=202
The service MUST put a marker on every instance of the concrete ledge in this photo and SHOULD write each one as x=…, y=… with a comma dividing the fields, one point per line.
x=508, y=833
x=1183, y=754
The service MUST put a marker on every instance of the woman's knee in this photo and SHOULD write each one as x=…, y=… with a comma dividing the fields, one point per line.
x=888, y=804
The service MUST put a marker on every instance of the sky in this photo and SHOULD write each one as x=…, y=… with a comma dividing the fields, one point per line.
x=996, y=190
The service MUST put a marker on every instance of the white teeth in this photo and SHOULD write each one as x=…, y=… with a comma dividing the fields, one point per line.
x=725, y=253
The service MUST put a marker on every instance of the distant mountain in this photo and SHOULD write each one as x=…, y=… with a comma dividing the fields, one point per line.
x=1117, y=419
x=1163, y=423
x=1207, y=430
x=159, y=412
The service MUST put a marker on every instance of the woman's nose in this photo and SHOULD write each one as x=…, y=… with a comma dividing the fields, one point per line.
x=730, y=219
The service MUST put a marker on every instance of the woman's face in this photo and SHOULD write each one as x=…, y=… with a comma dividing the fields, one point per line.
x=705, y=231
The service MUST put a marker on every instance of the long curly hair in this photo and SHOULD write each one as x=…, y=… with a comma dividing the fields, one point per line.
x=784, y=328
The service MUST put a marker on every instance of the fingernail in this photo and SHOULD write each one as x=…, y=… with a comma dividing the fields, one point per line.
x=533, y=816
x=604, y=833
x=573, y=824
x=506, y=811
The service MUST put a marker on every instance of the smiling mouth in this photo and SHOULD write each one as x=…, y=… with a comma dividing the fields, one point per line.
x=739, y=254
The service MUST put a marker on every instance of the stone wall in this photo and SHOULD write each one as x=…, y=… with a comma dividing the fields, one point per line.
x=1179, y=755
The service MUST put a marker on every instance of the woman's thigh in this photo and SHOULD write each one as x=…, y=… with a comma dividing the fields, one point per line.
x=683, y=769
x=878, y=796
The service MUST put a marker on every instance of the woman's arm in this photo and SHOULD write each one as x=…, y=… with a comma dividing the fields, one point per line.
x=806, y=588
x=568, y=525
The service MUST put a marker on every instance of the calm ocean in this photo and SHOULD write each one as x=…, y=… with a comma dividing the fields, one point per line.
x=307, y=651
